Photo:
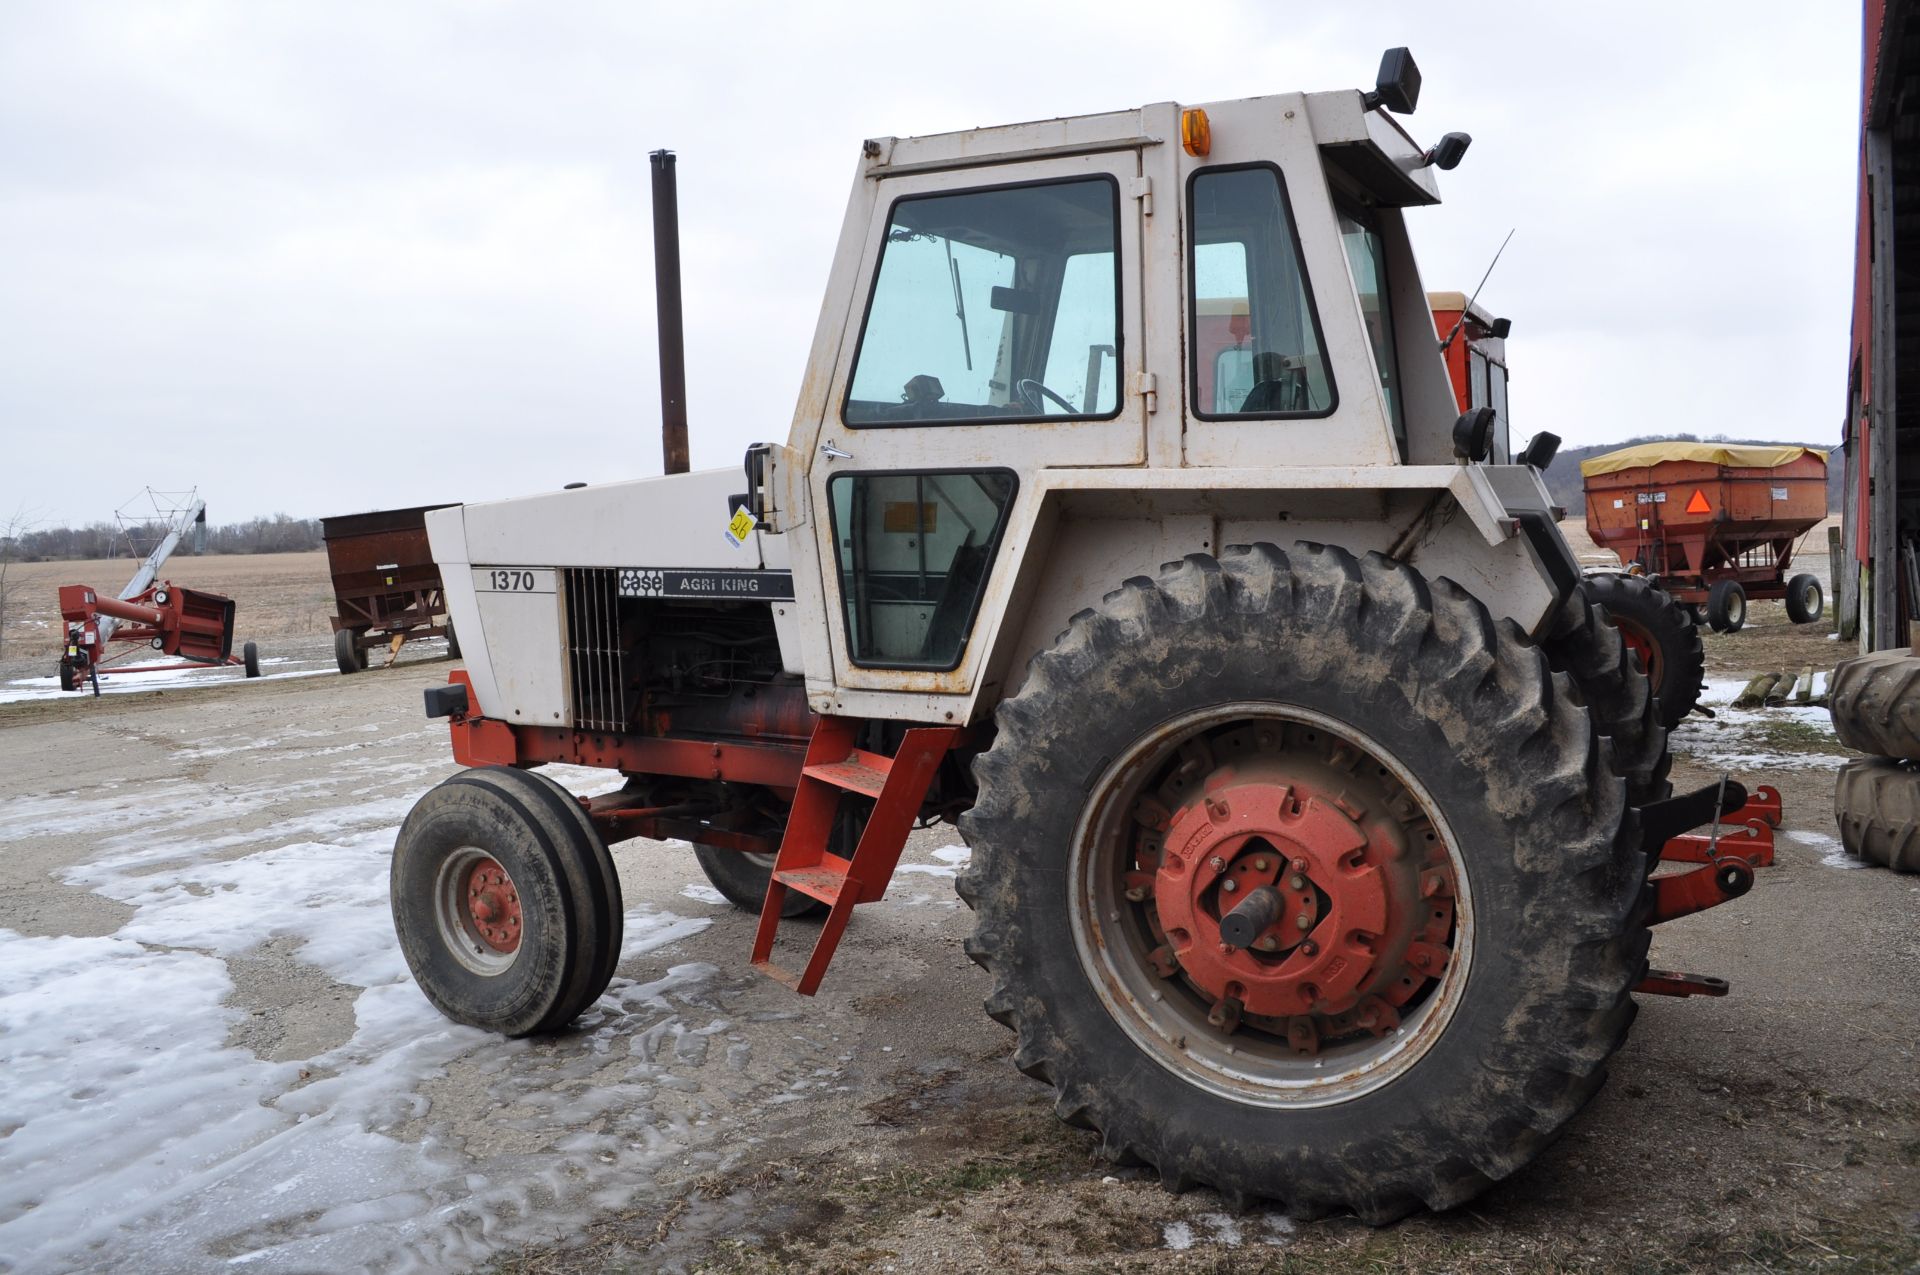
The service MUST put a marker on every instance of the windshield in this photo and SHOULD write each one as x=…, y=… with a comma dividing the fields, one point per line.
x=994, y=305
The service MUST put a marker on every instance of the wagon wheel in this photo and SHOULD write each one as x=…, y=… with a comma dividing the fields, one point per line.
x=1727, y=607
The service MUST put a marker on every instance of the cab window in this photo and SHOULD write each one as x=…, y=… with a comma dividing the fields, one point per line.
x=1367, y=255
x=914, y=551
x=1256, y=345
x=994, y=305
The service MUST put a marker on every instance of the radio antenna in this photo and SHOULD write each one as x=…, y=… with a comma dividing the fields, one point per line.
x=1459, y=322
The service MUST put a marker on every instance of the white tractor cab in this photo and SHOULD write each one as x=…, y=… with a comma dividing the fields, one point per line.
x=1127, y=518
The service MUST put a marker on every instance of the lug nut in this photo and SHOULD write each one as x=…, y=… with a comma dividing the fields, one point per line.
x=1304, y=921
x=1217, y=863
x=1229, y=885
x=1296, y=882
x=1259, y=865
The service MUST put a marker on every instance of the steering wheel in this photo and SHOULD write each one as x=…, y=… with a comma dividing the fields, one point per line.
x=1031, y=390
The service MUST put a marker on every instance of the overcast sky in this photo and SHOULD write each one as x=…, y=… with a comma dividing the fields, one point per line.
x=331, y=256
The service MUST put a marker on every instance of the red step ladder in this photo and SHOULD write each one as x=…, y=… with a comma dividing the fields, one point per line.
x=834, y=766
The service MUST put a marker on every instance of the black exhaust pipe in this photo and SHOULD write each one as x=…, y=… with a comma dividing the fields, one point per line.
x=666, y=297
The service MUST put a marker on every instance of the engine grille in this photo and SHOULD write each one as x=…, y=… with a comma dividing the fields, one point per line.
x=594, y=654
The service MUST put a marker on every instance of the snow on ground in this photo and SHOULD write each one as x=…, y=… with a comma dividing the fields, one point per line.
x=1736, y=739
x=134, y=1136
x=121, y=679
x=1832, y=853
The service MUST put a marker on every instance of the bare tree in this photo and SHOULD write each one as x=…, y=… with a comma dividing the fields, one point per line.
x=12, y=583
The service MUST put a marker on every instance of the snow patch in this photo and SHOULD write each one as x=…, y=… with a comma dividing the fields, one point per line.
x=1832, y=853
x=703, y=893
x=120, y=679
x=952, y=859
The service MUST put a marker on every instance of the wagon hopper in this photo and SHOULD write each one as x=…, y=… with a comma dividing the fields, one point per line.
x=1716, y=524
x=386, y=585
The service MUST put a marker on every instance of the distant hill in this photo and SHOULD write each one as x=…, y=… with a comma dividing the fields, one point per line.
x=1563, y=476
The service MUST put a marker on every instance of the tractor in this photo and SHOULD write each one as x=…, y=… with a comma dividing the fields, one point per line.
x=1313, y=808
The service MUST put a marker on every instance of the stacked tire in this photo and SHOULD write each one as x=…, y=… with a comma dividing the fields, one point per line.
x=1875, y=704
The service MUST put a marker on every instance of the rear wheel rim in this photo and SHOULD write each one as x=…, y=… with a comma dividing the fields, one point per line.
x=476, y=908
x=1641, y=643
x=1284, y=798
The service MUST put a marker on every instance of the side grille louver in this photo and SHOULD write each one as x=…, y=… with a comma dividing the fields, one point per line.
x=594, y=656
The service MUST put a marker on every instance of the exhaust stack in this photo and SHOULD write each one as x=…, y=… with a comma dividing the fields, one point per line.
x=666, y=295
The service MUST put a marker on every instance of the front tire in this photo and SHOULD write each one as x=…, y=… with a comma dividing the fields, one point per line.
x=742, y=878
x=505, y=902
x=1453, y=807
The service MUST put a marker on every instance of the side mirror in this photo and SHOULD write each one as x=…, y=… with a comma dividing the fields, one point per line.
x=1501, y=327
x=1397, y=86
x=1447, y=154
x=1473, y=434
x=1541, y=449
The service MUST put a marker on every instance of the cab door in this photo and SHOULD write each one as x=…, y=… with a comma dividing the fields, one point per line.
x=998, y=332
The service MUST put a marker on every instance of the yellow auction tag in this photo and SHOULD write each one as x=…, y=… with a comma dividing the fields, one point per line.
x=740, y=527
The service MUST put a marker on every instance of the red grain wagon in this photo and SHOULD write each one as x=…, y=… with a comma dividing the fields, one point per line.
x=1714, y=524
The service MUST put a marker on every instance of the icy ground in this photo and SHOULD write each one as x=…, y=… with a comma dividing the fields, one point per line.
x=136, y=1135
x=1736, y=739
x=119, y=679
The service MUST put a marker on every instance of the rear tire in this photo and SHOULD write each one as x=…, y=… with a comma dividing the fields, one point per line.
x=1874, y=701
x=250, y=659
x=1726, y=607
x=1504, y=800
x=1876, y=802
x=1592, y=650
x=1805, y=601
x=505, y=902
x=1662, y=633
x=346, y=652
x=67, y=680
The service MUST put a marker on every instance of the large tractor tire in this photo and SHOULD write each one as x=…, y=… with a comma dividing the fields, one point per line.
x=1442, y=887
x=1593, y=652
x=1874, y=701
x=1662, y=633
x=1877, y=805
x=1806, y=603
x=505, y=902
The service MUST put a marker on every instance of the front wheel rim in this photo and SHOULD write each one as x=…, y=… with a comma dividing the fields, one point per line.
x=1281, y=798
x=477, y=911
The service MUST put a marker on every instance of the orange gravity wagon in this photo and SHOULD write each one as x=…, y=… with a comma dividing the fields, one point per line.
x=1713, y=523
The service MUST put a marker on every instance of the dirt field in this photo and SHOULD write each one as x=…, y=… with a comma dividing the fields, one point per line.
x=211, y=1055
x=277, y=595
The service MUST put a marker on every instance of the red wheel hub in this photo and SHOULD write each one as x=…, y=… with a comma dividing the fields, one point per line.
x=492, y=905
x=1641, y=645
x=1363, y=886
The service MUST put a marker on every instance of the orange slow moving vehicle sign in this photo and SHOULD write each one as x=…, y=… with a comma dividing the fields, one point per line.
x=1698, y=503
